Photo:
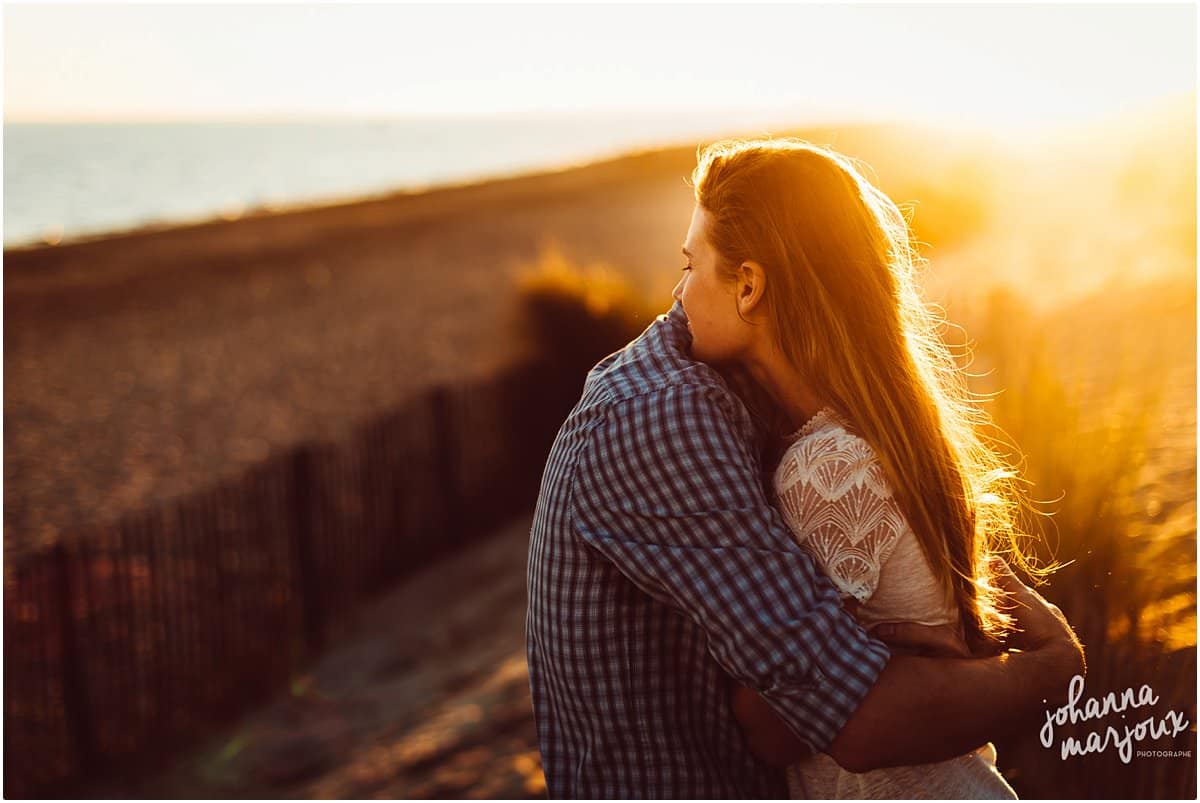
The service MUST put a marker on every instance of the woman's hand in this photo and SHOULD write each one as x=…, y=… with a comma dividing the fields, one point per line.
x=768, y=738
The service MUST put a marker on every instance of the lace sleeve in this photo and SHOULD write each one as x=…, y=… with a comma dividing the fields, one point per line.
x=834, y=496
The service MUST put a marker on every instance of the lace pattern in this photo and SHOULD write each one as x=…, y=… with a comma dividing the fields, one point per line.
x=832, y=492
x=834, y=496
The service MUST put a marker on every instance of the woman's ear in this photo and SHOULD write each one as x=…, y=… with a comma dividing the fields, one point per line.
x=751, y=285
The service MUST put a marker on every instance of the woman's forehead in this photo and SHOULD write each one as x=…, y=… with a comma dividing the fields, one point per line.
x=694, y=243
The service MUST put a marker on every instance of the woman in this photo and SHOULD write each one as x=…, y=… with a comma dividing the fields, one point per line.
x=800, y=276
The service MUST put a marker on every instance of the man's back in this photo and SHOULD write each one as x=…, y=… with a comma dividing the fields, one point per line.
x=658, y=576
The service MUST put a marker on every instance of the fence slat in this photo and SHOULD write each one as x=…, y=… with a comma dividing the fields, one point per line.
x=306, y=564
x=445, y=460
x=75, y=703
x=124, y=643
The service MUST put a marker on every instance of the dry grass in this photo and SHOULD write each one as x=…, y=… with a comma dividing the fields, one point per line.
x=575, y=315
x=1122, y=522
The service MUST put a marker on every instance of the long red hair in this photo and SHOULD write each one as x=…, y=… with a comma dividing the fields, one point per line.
x=842, y=297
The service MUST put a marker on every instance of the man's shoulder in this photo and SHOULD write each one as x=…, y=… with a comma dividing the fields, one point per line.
x=670, y=412
x=654, y=397
x=692, y=381
x=632, y=388
x=657, y=362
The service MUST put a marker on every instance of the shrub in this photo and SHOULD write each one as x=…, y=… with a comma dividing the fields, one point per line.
x=1128, y=586
x=573, y=315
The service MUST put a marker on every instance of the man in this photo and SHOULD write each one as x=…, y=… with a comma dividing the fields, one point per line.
x=661, y=580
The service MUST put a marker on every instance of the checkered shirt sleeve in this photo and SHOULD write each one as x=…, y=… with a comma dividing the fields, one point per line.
x=666, y=491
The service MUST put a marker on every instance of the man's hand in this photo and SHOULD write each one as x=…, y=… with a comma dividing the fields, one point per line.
x=1040, y=624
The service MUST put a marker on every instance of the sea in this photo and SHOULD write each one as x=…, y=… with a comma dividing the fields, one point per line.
x=64, y=181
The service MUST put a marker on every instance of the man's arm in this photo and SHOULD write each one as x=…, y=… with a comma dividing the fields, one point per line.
x=943, y=706
x=666, y=488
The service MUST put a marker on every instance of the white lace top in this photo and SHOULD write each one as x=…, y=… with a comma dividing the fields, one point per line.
x=833, y=494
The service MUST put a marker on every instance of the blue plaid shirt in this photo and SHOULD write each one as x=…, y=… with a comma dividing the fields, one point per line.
x=659, y=575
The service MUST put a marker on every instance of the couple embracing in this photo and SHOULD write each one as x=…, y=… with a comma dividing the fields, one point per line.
x=766, y=556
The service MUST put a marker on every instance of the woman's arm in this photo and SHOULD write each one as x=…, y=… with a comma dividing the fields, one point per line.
x=940, y=706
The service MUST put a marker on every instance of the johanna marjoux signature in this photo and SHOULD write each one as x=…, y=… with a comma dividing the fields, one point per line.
x=1124, y=736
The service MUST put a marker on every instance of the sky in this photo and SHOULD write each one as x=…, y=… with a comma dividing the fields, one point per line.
x=969, y=65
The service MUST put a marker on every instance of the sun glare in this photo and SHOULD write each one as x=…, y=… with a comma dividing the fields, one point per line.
x=1007, y=67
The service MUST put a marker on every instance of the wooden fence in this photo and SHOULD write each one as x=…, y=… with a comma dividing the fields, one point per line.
x=124, y=643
